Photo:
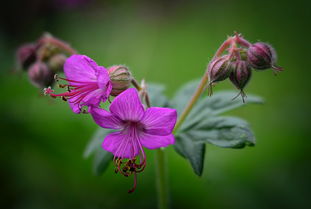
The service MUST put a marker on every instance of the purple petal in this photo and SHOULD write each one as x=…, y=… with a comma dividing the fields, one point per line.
x=92, y=98
x=127, y=106
x=104, y=118
x=102, y=77
x=159, y=120
x=76, y=108
x=154, y=142
x=121, y=145
x=80, y=68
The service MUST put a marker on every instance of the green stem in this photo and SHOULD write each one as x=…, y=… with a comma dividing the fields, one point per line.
x=161, y=179
x=193, y=100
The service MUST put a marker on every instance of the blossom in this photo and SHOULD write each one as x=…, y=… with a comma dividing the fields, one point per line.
x=88, y=83
x=136, y=128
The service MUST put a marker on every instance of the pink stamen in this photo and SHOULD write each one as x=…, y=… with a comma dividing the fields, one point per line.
x=78, y=91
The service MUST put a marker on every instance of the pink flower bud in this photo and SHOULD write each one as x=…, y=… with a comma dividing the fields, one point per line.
x=26, y=55
x=120, y=78
x=240, y=76
x=262, y=56
x=56, y=62
x=40, y=75
x=219, y=69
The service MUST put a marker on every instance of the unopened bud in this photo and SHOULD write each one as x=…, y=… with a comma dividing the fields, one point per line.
x=218, y=70
x=262, y=56
x=240, y=76
x=120, y=77
x=56, y=62
x=40, y=75
x=26, y=55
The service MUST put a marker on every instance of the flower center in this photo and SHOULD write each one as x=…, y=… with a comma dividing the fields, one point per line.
x=136, y=163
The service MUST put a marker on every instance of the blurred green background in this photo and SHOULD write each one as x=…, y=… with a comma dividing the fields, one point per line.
x=171, y=42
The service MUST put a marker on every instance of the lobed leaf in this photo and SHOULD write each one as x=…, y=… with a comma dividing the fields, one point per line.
x=204, y=126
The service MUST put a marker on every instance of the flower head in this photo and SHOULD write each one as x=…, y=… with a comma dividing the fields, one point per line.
x=88, y=83
x=262, y=56
x=136, y=128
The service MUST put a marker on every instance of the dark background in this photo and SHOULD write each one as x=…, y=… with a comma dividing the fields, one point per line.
x=42, y=141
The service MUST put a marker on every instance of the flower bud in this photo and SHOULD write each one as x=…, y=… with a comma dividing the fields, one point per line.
x=26, y=55
x=120, y=77
x=262, y=56
x=40, y=75
x=240, y=75
x=56, y=62
x=218, y=69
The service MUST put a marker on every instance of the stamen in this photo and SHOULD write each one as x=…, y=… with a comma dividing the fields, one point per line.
x=79, y=90
x=135, y=184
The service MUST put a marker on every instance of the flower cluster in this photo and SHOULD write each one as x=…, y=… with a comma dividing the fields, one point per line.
x=43, y=59
x=135, y=127
x=238, y=62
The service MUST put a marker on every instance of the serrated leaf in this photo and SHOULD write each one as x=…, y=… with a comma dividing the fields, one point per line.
x=156, y=95
x=101, y=161
x=226, y=132
x=95, y=141
x=192, y=150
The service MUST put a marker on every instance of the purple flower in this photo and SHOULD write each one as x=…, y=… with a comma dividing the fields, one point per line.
x=136, y=128
x=88, y=83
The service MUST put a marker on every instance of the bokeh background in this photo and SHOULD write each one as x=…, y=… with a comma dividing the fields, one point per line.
x=170, y=42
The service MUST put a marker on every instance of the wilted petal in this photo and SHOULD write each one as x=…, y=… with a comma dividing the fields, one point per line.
x=127, y=106
x=159, y=120
x=154, y=141
x=104, y=118
x=121, y=145
x=80, y=68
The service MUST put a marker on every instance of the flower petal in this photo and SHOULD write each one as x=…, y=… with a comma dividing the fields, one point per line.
x=102, y=77
x=154, y=141
x=92, y=98
x=104, y=118
x=127, y=106
x=159, y=120
x=76, y=108
x=121, y=145
x=80, y=68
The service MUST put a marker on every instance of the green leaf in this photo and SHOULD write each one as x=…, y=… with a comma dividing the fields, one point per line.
x=183, y=95
x=101, y=161
x=192, y=150
x=102, y=158
x=204, y=126
x=157, y=97
x=218, y=103
x=226, y=132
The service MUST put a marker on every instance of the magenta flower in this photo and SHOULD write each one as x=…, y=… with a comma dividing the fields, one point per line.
x=137, y=128
x=88, y=83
